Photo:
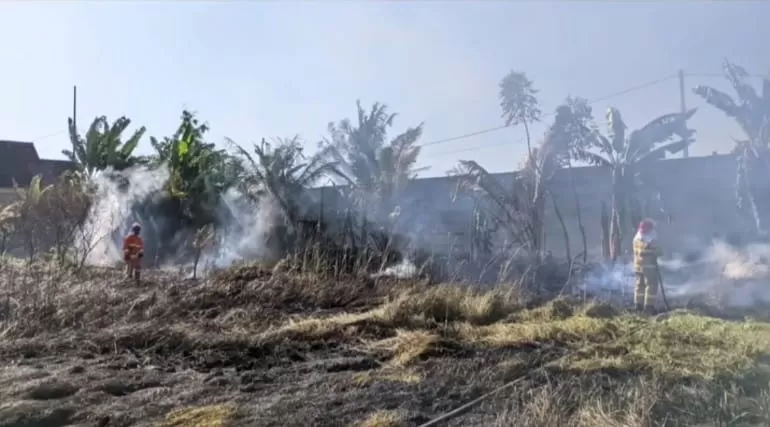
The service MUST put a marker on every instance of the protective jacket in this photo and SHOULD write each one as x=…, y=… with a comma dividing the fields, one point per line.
x=646, y=251
x=133, y=247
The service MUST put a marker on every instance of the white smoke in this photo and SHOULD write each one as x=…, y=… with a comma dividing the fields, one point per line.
x=403, y=270
x=732, y=276
x=246, y=230
x=243, y=233
x=115, y=194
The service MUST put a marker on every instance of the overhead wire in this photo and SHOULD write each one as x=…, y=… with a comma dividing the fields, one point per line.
x=50, y=135
x=593, y=101
x=497, y=128
x=603, y=98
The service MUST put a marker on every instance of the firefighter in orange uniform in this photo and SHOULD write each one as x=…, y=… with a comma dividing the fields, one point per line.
x=646, y=253
x=133, y=252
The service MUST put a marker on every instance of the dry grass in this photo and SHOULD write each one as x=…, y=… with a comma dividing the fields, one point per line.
x=383, y=419
x=206, y=416
x=577, y=364
x=363, y=379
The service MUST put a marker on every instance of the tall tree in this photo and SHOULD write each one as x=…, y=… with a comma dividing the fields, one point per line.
x=571, y=133
x=378, y=170
x=751, y=110
x=103, y=147
x=518, y=100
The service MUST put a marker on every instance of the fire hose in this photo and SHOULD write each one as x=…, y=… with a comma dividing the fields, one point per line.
x=475, y=402
x=468, y=406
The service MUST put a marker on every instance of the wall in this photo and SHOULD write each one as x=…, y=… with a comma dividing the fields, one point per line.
x=690, y=199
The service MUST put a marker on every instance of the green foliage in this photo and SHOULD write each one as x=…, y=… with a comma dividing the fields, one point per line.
x=102, y=146
x=377, y=170
x=198, y=171
x=518, y=100
x=751, y=110
x=282, y=171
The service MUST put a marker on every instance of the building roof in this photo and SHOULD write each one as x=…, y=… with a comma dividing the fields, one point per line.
x=19, y=162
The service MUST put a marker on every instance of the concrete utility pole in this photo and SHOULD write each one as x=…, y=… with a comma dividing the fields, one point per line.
x=75, y=106
x=683, y=108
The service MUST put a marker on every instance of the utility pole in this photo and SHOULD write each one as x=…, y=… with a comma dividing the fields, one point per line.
x=75, y=106
x=683, y=108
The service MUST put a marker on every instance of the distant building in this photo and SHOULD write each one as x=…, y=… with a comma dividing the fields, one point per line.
x=20, y=162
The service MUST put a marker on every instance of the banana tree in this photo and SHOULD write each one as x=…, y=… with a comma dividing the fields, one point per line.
x=626, y=155
x=198, y=171
x=751, y=110
x=103, y=147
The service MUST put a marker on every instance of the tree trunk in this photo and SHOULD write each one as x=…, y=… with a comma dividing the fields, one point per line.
x=578, y=213
x=758, y=193
x=605, y=224
x=616, y=238
x=529, y=143
x=618, y=212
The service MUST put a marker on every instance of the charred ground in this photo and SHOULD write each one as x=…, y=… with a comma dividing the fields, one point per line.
x=249, y=347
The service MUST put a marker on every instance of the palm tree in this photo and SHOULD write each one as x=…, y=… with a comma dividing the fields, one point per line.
x=751, y=111
x=570, y=134
x=377, y=170
x=282, y=171
x=519, y=210
x=626, y=155
x=102, y=146
x=24, y=216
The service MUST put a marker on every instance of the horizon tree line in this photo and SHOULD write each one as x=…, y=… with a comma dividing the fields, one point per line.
x=372, y=167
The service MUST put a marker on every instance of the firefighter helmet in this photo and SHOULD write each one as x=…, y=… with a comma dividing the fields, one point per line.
x=646, y=225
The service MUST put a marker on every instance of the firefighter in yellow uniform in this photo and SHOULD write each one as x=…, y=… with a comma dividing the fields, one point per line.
x=646, y=253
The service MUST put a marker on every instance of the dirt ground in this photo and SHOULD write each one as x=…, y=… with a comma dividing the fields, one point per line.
x=249, y=349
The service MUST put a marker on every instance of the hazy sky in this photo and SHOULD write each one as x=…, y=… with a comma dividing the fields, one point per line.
x=254, y=68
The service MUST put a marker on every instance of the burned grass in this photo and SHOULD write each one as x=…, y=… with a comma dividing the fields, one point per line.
x=253, y=347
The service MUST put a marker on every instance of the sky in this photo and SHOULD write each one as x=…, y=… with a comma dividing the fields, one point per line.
x=254, y=69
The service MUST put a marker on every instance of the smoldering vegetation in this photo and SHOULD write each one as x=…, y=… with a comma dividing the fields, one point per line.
x=267, y=300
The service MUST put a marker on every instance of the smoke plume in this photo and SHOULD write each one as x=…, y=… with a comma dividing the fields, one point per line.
x=735, y=276
x=120, y=198
x=116, y=193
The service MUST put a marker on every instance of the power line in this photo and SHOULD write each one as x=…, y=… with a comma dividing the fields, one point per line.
x=497, y=128
x=603, y=98
x=612, y=95
x=707, y=75
x=477, y=147
x=50, y=135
